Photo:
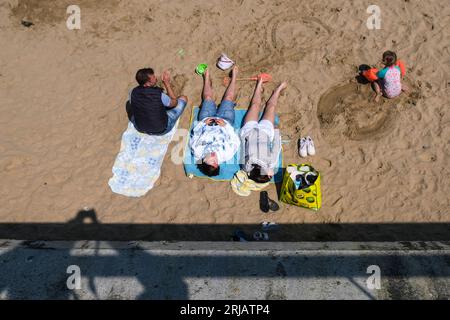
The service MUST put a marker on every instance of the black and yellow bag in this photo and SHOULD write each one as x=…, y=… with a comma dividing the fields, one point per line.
x=309, y=197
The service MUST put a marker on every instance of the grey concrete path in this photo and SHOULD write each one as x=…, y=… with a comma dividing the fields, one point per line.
x=223, y=270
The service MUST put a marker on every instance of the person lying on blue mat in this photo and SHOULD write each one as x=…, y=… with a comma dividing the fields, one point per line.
x=261, y=143
x=213, y=140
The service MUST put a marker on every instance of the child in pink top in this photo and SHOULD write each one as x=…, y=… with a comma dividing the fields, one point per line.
x=389, y=79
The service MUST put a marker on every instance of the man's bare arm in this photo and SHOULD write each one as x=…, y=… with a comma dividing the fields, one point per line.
x=166, y=81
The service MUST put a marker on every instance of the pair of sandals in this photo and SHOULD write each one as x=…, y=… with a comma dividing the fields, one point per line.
x=266, y=204
x=262, y=235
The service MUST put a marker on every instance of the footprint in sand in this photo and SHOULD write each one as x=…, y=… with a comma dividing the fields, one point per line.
x=346, y=111
x=427, y=156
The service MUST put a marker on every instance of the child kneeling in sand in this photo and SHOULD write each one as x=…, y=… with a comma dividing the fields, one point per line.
x=213, y=139
x=261, y=143
x=389, y=78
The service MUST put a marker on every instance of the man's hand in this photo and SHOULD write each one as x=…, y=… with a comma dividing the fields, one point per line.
x=166, y=77
x=209, y=121
x=220, y=122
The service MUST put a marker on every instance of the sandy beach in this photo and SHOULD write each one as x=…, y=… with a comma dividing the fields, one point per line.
x=63, y=94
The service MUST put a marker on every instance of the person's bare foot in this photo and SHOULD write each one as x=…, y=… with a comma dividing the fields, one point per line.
x=259, y=83
x=282, y=86
x=234, y=72
x=206, y=76
x=377, y=98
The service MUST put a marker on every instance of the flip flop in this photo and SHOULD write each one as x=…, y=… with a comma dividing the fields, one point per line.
x=260, y=236
x=264, y=204
x=273, y=206
x=269, y=226
x=239, y=235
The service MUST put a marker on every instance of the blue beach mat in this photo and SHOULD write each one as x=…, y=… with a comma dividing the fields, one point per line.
x=138, y=164
x=229, y=168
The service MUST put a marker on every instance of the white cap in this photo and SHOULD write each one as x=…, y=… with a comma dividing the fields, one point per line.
x=224, y=62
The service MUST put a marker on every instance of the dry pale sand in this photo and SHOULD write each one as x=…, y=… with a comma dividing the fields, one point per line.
x=63, y=95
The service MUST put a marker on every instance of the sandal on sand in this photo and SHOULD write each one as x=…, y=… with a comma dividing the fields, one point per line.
x=264, y=201
x=269, y=226
x=266, y=204
x=258, y=236
x=273, y=206
x=239, y=235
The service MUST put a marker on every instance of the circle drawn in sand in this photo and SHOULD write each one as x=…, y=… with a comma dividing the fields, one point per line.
x=289, y=34
x=285, y=39
x=346, y=111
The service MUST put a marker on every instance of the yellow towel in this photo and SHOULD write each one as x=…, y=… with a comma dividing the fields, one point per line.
x=243, y=185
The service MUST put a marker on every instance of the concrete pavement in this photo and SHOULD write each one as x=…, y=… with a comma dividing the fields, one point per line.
x=223, y=270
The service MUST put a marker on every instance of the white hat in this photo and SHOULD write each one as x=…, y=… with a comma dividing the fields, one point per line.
x=224, y=62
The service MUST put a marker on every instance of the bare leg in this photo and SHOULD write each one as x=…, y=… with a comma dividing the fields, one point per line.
x=377, y=88
x=208, y=92
x=269, y=111
x=255, y=105
x=230, y=93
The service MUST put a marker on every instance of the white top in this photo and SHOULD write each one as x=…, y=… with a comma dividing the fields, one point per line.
x=206, y=139
x=262, y=145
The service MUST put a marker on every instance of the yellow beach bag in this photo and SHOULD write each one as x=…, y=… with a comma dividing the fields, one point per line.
x=309, y=197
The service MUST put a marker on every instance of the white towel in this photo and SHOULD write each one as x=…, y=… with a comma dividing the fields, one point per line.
x=138, y=164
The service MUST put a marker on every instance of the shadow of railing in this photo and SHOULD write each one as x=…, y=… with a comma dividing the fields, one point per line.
x=78, y=229
x=162, y=276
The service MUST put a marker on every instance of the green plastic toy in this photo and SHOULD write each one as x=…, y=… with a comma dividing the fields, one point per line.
x=201, y=68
